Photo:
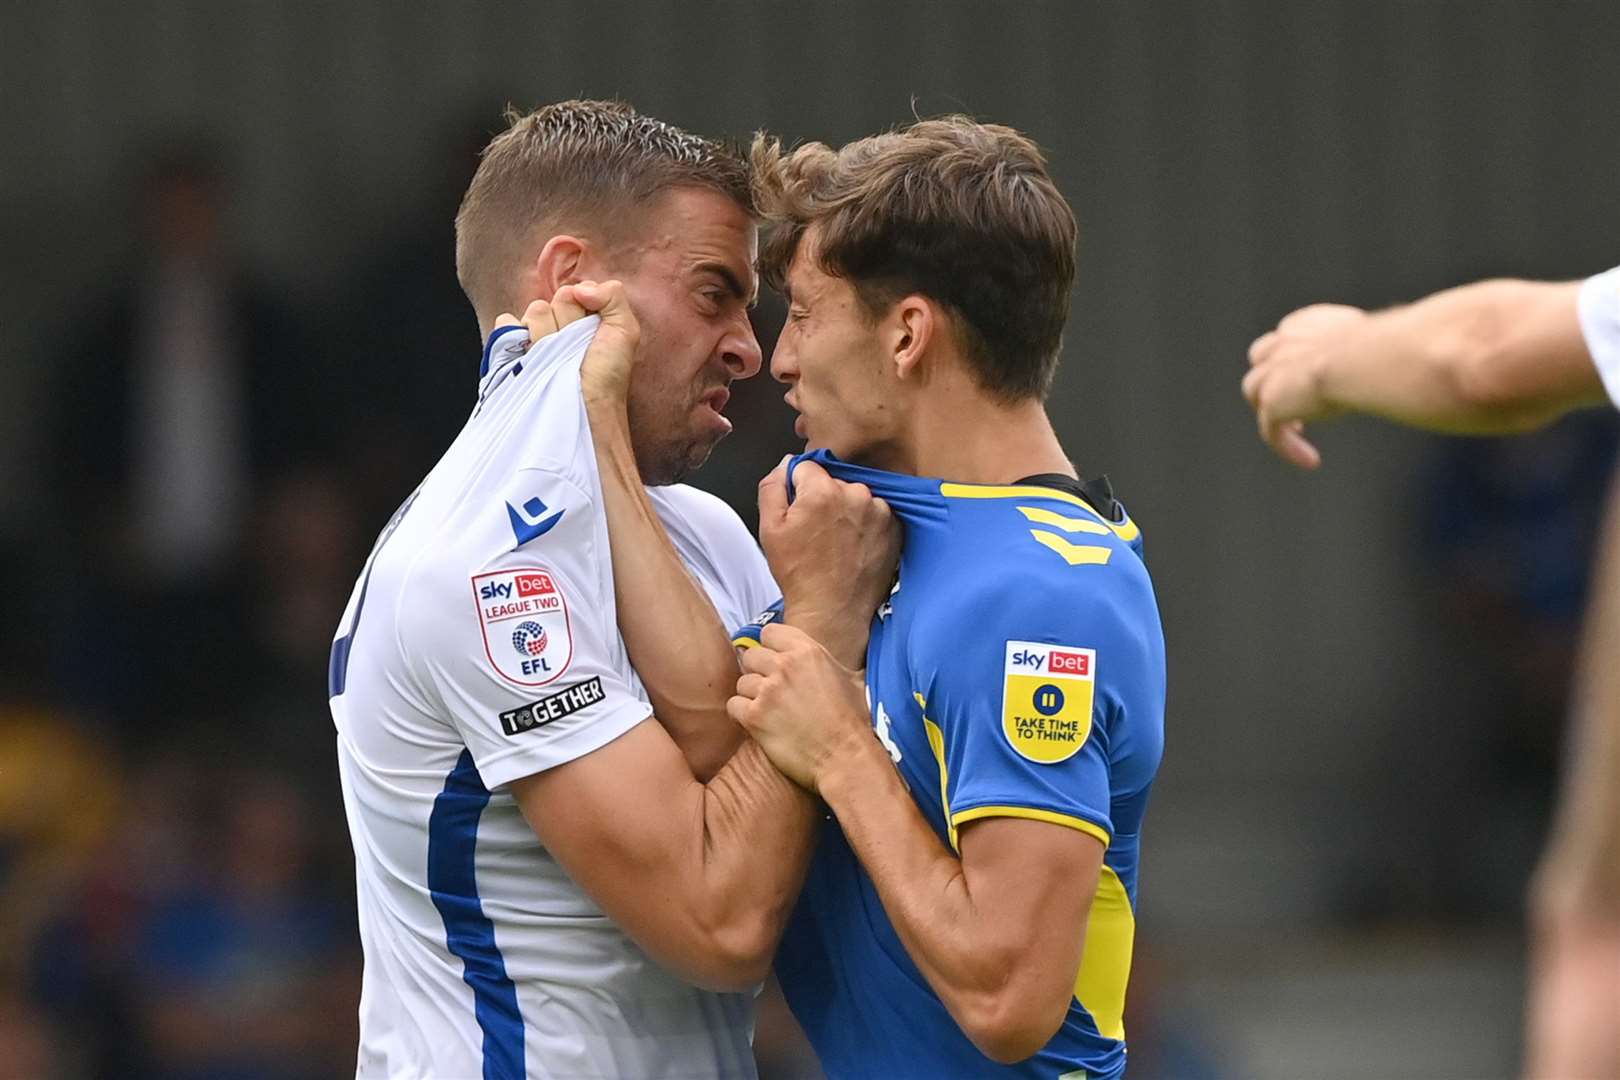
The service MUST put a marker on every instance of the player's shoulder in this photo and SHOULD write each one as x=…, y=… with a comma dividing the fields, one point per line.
x=1035, y=564
x=716, y=546
x=530, y=518
x=1044, y=542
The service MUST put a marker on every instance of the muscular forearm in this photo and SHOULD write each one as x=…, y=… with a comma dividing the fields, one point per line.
x=675, y=638
x=967, y=954
x=1490, y=357
x=758, y=830
x=702, y=876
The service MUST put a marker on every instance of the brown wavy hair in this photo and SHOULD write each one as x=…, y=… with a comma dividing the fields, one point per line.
x=959, y=211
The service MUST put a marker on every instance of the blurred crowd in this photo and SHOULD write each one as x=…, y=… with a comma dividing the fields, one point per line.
x=172, y=849
x=174, y=862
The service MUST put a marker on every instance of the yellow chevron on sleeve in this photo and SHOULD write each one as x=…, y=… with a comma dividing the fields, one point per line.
x=1067, y=524
x=1073, y=554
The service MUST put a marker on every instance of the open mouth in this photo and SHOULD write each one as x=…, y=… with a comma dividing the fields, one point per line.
x=716, y=399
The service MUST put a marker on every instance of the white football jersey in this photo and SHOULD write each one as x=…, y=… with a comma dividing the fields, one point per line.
x=1600, y=325
x=480, y=645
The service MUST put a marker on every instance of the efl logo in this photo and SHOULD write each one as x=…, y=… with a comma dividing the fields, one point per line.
x=1064, y=662
x=528, y=609
x=534, y=584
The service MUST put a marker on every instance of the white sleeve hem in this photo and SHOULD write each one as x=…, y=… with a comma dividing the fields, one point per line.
x=502, y=768
x=1599, y=311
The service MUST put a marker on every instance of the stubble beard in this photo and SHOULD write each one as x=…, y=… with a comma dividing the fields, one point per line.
x=664, y=454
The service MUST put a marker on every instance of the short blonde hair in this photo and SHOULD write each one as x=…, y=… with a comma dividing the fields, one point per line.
x=575, y=165
x=956, y=210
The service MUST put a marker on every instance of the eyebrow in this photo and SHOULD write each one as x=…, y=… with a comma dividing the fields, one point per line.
x=731, y=281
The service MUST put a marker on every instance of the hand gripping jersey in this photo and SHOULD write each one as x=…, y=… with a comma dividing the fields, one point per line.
x=1016, y=671
x=480, y=646
x=1599, y=308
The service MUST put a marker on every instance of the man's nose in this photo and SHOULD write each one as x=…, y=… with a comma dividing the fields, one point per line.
x=784, y=366
x=740, y=351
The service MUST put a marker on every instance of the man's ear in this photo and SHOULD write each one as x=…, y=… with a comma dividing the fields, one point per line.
x=558, y=264
x=912, y=325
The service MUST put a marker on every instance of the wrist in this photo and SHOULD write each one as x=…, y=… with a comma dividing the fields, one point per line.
x=858, y=765
x=606, y=402
x=832, y=630
x=609, y=424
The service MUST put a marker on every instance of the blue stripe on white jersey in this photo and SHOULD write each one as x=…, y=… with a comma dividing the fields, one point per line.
x=452, y=844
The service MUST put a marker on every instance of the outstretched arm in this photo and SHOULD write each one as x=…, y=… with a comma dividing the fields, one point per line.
x=1491, y=357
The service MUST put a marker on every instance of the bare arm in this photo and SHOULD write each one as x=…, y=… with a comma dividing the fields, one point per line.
x=1575, y=903
x=1582, y=869
x=1491, y=357
x=999, y=932
x=702, y=876
x=672, y=633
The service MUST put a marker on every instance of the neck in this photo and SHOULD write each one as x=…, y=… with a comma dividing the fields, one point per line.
x=970, y=438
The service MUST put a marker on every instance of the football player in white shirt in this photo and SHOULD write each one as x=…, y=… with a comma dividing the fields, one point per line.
x=1489, y=358
x=551, y=882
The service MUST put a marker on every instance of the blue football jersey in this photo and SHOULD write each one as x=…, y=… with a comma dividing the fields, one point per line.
x=1017, y=670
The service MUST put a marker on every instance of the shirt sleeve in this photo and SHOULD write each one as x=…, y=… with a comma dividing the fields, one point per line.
x=1599, y=308
x=746, y=636
x=1033, y=696
x=522, y=649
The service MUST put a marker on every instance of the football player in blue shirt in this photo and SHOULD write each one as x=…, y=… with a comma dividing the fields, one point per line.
x=970, y=908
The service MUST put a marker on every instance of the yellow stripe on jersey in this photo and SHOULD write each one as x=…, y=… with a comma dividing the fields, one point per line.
x=1105, y=967
x=1013, y=491
x=1032, y=814
x=1125, y=530
x=936, y=743
x=1073, y=554
x=745, y=643
x=1067, y=524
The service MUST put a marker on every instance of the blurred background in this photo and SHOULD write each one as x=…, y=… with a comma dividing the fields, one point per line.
x=231, y=340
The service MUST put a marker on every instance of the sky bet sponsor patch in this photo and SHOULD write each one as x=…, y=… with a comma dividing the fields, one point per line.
x=1046, y=699
x=524, y=619
x=552, y=707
